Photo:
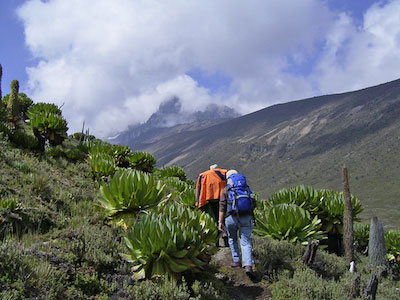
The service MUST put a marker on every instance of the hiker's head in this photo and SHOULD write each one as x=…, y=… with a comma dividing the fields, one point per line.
x=230, y=172
x=212, y=167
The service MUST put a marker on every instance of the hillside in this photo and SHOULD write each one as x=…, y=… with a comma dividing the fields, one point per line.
x=64, y=237
x=306, y=142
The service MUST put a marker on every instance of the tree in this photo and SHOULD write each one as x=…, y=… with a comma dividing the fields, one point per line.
x=13, y=104
x=47, y=123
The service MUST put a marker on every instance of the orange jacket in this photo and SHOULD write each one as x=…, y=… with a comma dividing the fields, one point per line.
x=210, y=185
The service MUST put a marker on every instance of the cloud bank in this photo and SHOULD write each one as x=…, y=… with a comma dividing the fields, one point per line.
x=112, y=62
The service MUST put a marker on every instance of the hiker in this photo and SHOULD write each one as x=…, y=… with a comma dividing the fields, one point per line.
x=208, y=192
x=236, y=207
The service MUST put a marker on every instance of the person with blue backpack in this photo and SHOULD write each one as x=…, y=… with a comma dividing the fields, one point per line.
x=236, y=207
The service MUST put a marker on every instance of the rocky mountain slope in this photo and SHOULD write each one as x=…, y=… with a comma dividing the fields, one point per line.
x=305, y=142
x=170, y=119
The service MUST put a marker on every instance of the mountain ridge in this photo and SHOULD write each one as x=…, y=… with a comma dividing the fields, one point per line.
x=304, y=142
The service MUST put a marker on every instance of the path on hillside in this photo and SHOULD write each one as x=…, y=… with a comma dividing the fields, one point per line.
x=239, y=285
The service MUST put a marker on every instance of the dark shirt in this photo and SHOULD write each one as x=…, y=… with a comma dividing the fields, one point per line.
x=223, y=200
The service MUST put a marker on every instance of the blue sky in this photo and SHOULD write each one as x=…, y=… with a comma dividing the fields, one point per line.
x=111, y=63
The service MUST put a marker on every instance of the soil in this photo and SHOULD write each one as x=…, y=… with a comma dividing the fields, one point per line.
x=240, y=286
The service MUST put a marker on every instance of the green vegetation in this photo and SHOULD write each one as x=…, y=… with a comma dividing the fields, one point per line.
x=85, y=219
x=47, y=124
x=13, y=103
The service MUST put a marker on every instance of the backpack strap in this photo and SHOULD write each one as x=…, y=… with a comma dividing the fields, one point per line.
x=199, y=188
x=222, y=176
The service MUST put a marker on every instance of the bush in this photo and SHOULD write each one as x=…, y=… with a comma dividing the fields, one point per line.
x=307, y=285
x=172, y=171
x=273, y=256
x=163, y=289
x=170, y=243
x=287, y=222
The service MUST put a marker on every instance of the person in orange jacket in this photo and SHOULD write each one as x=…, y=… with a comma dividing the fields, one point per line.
x=208, y=191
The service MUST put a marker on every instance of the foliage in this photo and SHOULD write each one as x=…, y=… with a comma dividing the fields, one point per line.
x=305, y=284
x=142, y=161
x=171, y=171
x=274, y=256
x=168, y=243
x=23, y=138
x=180, y=191
x=24, y=102
x=361, y=235
x=47, y=123
x=332, y=209
x=164, y=288
x=118, y=153
x=287, y=222
x=102, y=165
x=129, y=192
x=392, y=239
x=327, y=205
x=13, y=104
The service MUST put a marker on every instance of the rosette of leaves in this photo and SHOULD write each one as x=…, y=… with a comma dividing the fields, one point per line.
x=102, y=165
x=47, y=123
x=174, y=185
x=392, y=240
x=180, y=191
x=188, y=197
x=331, y=211
x=169, y=242
x=142, y=161
x=119, y=153
x=129, y=192
x=171, y=171
x=361, y=235
x=288, y=222
x=303, y=196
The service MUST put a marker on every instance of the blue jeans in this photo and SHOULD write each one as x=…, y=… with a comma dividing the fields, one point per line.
x=243, y=224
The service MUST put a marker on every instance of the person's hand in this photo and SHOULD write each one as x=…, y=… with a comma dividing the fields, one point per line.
x=221, y=226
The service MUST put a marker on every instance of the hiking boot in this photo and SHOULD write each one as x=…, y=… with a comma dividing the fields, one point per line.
x=236, y=265
x=249, y=272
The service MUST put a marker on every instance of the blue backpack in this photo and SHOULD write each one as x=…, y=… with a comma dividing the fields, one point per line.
x=240, y=197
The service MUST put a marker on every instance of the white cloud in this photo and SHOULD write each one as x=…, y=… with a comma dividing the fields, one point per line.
x=112, y=62
x=355, y=57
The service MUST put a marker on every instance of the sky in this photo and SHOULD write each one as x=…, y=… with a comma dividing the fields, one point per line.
x=110, y=63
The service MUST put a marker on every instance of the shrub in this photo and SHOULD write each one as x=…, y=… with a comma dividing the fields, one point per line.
x=162, y=289
x=24, y=139
x=142, y=161
x=47, y=123
x=392, y=239
x=174, y=241
x=306, y=285
x=172, y=171
x=129, y=192
x=287, y=222
x=102, y=165
x=273, y=256
x=361, y=235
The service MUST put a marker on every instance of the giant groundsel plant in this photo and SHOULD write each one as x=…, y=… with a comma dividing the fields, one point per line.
x=170, y=241
x=128, y=192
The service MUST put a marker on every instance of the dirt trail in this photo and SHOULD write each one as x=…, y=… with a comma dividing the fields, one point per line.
x=239, y=285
